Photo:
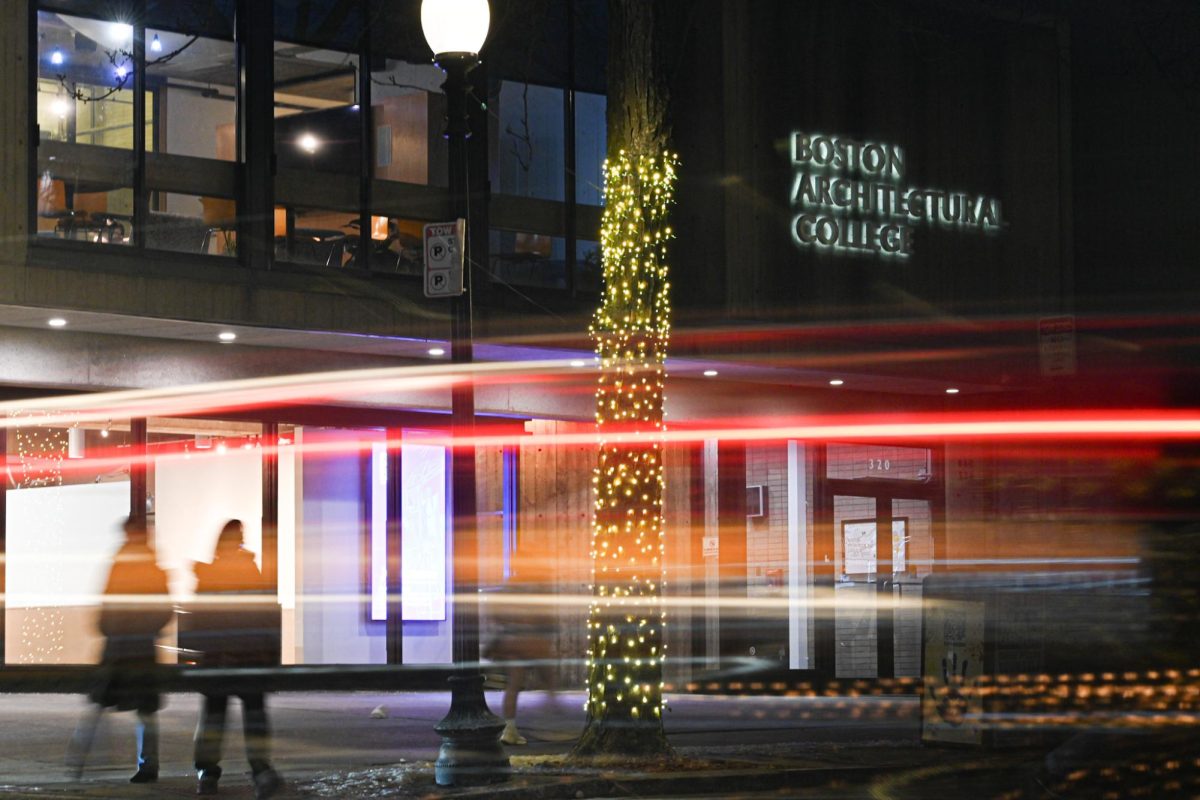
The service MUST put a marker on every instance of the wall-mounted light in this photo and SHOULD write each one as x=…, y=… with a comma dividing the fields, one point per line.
x=60, y=107
x=156, y=44
x=56, y=57
x=122, y=72
x=379, y=228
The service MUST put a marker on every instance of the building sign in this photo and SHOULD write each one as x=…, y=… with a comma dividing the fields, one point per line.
x=850, y=197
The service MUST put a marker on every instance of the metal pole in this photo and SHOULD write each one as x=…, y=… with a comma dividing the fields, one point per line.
x=470, y=751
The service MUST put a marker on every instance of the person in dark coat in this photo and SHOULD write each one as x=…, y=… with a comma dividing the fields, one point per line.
x=136, y=606
x=235, y=624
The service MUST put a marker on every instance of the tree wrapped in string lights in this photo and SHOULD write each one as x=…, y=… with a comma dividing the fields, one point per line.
x=631, y=328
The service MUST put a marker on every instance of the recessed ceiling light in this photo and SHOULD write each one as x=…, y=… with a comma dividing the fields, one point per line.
x=578, y=362
x=952, y=390
x=56, y=322
x=710, y=373
x=437, y=351
x=226, y=336
x=836, y=382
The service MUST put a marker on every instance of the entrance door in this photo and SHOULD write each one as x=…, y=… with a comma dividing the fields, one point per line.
x=880, y=508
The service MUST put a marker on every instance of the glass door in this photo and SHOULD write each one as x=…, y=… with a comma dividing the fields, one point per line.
x=880, y=513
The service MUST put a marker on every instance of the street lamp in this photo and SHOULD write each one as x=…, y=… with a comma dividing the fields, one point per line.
x=470, y=751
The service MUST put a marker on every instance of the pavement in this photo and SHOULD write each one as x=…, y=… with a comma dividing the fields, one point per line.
x=330, y=745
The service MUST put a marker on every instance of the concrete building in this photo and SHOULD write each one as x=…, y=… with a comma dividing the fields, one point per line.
x=878, y=204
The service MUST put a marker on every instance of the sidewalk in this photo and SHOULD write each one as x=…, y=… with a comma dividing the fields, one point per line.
x=329, y=746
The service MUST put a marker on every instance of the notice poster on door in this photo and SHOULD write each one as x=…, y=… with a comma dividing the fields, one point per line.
x=951, y=707
x=858, y=542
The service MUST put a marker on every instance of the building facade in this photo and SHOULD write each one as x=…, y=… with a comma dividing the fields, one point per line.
x=878, y=203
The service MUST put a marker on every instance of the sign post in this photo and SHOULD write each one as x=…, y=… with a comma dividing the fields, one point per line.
x=444, y=258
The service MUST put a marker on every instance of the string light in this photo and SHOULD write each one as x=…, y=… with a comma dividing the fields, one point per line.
x=631, y=330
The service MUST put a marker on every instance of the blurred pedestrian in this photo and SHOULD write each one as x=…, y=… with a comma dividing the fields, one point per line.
x=134, y=609
x=235, y=623
x=522, y=642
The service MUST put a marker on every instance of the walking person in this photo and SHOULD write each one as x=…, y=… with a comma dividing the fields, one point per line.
x=235, y=624
x=524, y=635
x=135, y=608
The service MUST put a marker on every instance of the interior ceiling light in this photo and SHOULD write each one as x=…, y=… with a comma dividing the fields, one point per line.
x=710, y=373
x=836, y=382
x=952, y=390
x=120, y=32
x=309, y=143
x=226, y=336
x=56, y=322
x=437, y=351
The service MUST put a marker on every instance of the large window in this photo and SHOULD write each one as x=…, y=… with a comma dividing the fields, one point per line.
x=86, y=180
x=85, y=116
x=192, y=81
x=318, y=151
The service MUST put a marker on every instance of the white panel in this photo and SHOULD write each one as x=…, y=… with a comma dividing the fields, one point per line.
x=425, y=547
x=799, y=579
x=60, y=546
x=423, y=526
x=60, y=542
x=194, y=496
x=379, y=485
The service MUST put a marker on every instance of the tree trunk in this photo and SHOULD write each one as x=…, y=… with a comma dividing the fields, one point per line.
x=630, y=329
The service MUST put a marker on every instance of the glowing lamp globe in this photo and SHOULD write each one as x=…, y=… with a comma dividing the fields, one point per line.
x=455, y=26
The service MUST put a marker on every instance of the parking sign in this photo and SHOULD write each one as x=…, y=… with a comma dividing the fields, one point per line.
x=444, y=258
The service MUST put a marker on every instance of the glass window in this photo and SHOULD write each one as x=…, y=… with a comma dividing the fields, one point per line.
x=395, y=245
x=527, y=141
x=192, y=81
x=528, y=259
x=588, y=272
x=305, y=235
x=85, y=117
x=187, y=223
x=591, y=139
x=407, y=110
x=317, y=122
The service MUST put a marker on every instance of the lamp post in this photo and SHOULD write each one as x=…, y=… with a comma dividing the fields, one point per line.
x=470, y=751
